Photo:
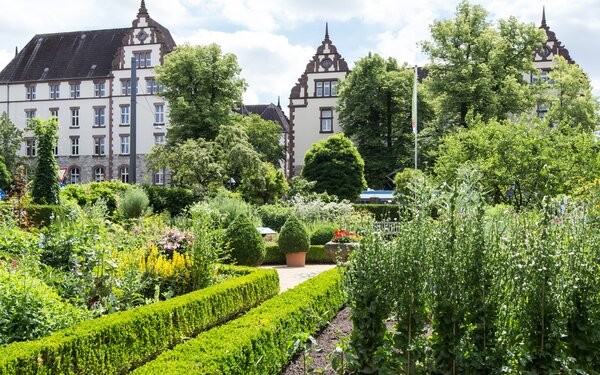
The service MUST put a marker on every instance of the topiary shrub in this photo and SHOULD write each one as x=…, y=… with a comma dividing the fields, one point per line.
x=293, y=237
x=322, y=234
x=133, y=203
x=247, y=245
x=273, y=216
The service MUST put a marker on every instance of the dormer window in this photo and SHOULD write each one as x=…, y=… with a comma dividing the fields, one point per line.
x=326, y=88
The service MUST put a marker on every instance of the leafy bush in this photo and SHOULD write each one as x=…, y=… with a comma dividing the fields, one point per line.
x=257, y=342
x=293, y=236
x=314, y=210
x=322, y=234
x=382, y=212
x=40, y=214
x=273, y=216
x=90, y=193
x=230, y=206
x=247, y=245
x=173, y=200
x=133, y=203
x=115, y=343
x=29, y=309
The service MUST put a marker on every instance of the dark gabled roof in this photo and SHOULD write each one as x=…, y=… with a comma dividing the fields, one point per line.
x=70, y=55
x=268, y=112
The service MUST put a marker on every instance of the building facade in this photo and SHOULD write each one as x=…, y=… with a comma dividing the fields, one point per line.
x=312, y=103
x=83, y=79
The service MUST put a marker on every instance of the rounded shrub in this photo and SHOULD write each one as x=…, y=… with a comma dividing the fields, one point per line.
x=322, y=234
x=293, y=236
x=247, y=245
x=133, y=203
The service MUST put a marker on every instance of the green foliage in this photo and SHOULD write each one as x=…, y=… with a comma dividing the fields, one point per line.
x=264, y=136
x=230, y=206
x=257, y=342
x=322, y=234
x=274, y=216
x=336, y=166
x=46, y=187
x=133, y=203
x=293, y=236
x=477, y=67
x=29, y=309
x=247, y=245
x=402, y=182
x=5, y=179
x=382, y=212
x=118, y=342
x=375, y=112
x=202, y=85
x=10, y=143
x=521, y=162
x=265, y=186
x=316, y=255
x=90, y=193
x=172, y=200
x=41, y=215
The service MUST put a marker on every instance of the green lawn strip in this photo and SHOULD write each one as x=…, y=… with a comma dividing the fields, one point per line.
x=316, y=255
x=257, y=342
x=117, y=342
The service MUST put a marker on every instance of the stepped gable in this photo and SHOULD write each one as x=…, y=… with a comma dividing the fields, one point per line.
x=62, y=56
x=553, y=46
x=327, y=50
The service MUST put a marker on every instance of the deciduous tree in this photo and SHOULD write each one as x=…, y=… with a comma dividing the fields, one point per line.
x=10, y=141
x=264, y=136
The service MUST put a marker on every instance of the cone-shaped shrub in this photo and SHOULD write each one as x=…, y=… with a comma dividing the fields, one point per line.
x=293, y=237
x=247, y=245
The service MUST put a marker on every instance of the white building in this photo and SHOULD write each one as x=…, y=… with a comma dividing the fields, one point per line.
x=312, y=103
x=83, y=79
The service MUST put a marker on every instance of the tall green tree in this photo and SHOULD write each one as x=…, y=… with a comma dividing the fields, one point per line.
x=10, y=142
x=4, y=175
x=202, y=85
x=375, y=107
x=46, y=187
x=336, y=166
x=477, y=67
x=264, y=186
x=264, y=136
x=568, y=93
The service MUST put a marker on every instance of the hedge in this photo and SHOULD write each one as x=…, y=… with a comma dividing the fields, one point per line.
x=382, y=212
x=118, y=342
x=42, y=214
x=172, y=200
x=316, y=254
x=257, y=342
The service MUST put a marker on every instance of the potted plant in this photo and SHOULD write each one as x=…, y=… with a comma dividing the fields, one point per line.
x=294, y=242
x=342, y=245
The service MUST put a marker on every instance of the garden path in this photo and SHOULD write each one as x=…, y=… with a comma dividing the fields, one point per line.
x=289, y=277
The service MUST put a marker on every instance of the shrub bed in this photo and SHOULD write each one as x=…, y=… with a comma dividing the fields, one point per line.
x=316, y=255
x=257, y=342
x=121, y=341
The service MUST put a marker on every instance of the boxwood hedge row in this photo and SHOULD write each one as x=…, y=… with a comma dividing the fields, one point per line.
x=116, y=343
x=257, y=342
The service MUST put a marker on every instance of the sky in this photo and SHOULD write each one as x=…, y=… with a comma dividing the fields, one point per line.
x=275, y=39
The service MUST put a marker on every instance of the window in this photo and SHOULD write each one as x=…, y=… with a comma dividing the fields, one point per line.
x=30, y=92
x=29, y=116
x=124, y=174
x=75, y=146
x=75, y=89
x=326, y=88
x=54, y=113
x=159, y=114
x=56, y=149
x=326, y=120
x=125, y=145
x=99, y=146
x=74, y=175
x=98, y=174
x=99, y=117
x=159, y=177
x=75, y=117
x=30, y=147
x=159, y=139
x=152, y=86
x=54, y=90
x=126, y=87
x=143, y=59
x=125, y=115
x=542, y=110
x=99, y=89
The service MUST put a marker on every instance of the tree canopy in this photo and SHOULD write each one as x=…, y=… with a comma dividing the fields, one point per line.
x=10, y=142
x=336, y=166
x=477, y=67
x=202, y=86
x=375, y=107
x=264, y=136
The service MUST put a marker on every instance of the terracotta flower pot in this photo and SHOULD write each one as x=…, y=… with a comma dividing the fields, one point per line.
x=339, y=251
x=297, y=259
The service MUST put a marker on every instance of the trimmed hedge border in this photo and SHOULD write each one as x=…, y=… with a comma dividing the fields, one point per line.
x=257, y=342
x=118, y=342
x=316, y=255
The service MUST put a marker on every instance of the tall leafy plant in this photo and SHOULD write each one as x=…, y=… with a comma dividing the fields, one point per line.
x=45, y=182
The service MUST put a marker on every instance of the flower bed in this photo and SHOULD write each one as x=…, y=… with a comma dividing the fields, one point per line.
x=257, y=342
x=118, y=342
